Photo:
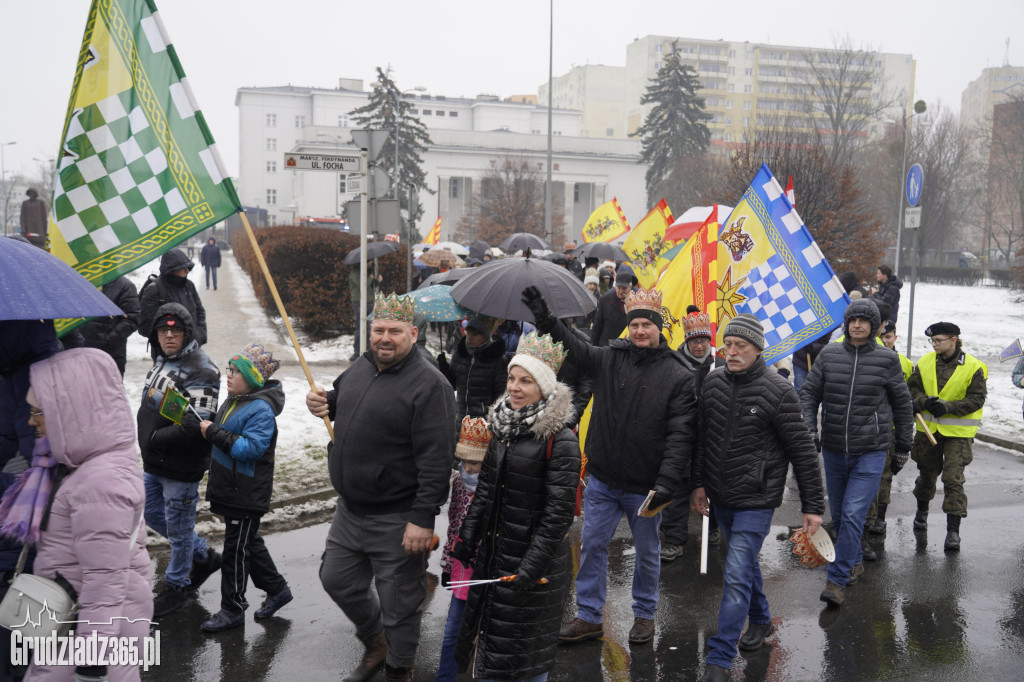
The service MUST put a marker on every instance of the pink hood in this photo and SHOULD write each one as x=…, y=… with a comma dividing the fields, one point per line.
x=84, y=404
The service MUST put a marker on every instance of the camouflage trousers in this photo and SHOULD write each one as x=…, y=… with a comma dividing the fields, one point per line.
x=884, y=488
x=948, y=458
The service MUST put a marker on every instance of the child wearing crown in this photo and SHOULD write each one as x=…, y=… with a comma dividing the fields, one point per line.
x=244, y=437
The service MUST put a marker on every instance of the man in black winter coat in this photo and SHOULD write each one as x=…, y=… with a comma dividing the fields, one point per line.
x=209, y=258
x=750, y=430
x=478, y=371
x=610, y=318
x=888, y=290
x=110, y=334
x=172, y=286
x=639, y=441
x=860, y=387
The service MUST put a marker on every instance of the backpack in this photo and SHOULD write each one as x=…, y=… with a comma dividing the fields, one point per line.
x=161, y=292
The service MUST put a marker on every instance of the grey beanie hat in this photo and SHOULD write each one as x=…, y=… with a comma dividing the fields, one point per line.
x=746, y=326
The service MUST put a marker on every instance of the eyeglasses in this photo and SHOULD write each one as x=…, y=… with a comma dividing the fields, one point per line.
x=699, y=342
x=936, y=341
x=231, y=370
x=35, y=412
x=167, y=331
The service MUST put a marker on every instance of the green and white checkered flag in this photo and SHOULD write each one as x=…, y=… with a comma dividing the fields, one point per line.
x=138, y=170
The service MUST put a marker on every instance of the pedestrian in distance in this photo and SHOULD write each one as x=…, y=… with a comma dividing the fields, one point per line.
x=949, y=390
x=209, y=258
x=750, y=430
x=474, y=437
x=110, y=334
x=243, y=438
x=175, y=457
x=888, y=290
x=859, y=385
x=478, y=369
x=89, y=528
x=518, y=523
x=172, y=285
x=390, y=463
x=642, y=429
x=610, y=317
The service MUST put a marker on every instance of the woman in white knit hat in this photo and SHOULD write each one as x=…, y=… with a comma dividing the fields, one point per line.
x=518, y=521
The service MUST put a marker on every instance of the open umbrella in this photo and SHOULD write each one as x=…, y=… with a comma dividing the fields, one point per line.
x=497, y=288
x=478, y=248
x=437, y=305
x=35, y=285
x=524, y=240
x=373, y=250
x=601, y=251
x=450, y=277
x=436, y=257
x=457, y=249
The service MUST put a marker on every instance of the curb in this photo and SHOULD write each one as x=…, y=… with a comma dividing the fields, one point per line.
x=1001, y=442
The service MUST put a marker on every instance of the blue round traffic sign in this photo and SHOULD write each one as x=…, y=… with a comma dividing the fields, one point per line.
x=915, y=182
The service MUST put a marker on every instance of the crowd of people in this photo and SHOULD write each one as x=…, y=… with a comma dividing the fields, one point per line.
x=492, y=432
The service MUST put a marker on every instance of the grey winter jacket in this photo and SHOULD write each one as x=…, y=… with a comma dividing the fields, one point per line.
x=861, y=392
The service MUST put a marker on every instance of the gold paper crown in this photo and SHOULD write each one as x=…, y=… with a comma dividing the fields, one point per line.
x=697, y=324
x=393, y=307
x=643, y=299
x=540, y=346
x=473, y=439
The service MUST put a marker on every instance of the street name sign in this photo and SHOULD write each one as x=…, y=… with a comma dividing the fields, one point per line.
x=336, y=163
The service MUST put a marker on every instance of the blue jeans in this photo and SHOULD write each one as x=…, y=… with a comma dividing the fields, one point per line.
x=852, y=482
x=210, y=270
x=744, y=531
x=447, y=668
x=799, y=375
x=603, y=508
x=171, y=511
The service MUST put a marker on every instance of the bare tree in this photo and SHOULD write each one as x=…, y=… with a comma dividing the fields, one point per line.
x=844, y=94
x=1003, y=140
x=509, y=198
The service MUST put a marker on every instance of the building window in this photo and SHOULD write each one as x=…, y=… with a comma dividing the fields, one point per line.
x=343, y=121
x=746, y=122
x=271, y=166
x=453, y=114
x=659, y=48
x=271, y=144
x=728, y=137
x=657, y=66
x=300, y=121
x=575, y=194
x=732, y=70
x=728, y=120
x=342, y=183
x=271, y=120
x=748, y=71
x=609, y=132
x=414, y=111
x=728, y=104
x=748, y=88
x=426, y=112
x=732, y=87
x=878, y=64
x=746, y=105
x=453, y=188
x=732, y=54
x=272, y=197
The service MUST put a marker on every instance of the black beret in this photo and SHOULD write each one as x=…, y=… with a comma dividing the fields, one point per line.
x=942, y=328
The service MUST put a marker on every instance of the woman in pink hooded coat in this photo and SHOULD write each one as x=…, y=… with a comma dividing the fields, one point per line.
x=89, y=423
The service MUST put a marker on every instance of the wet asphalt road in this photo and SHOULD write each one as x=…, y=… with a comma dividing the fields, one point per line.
x=917, y=614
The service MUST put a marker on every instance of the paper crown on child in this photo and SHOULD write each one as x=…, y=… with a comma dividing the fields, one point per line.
x=697, y=325
x=256, y=364
x=473, y=439
x=393, y=307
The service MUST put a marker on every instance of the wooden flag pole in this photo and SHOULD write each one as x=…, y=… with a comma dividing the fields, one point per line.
x=927, y=431
x=284, y=313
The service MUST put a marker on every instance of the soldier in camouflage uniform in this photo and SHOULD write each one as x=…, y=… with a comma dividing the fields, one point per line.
x=948, y=389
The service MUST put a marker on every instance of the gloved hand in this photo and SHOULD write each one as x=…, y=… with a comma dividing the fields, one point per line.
x=190, y=422
x=15, y=465
x=522, y=583
x=661, y=496
x=783, y=372
x=917, y=408
x=534, y=300
x=899, y=460
x=462, y=552
x=936, y=406
x=442, y=362
x=446, y=578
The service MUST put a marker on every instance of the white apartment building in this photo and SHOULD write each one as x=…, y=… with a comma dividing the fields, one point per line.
x=598, y=91
x=468, y=136
x=994, y=86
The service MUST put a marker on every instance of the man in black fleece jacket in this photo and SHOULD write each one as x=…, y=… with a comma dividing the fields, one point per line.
x=390, y=463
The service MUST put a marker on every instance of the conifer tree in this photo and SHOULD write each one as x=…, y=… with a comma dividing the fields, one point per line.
x=676, y=126
x=387, y=110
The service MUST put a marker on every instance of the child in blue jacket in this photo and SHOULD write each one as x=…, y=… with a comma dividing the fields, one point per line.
x=244, y=437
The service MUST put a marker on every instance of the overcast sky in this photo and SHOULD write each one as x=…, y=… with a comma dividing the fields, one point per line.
x=465, y=47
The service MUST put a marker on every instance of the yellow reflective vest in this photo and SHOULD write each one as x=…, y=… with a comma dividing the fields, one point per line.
x=954, y=426
x=907, y=365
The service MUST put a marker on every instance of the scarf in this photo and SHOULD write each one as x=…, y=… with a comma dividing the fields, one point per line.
x=469, y=481
x=24, y=502
x=508, y=424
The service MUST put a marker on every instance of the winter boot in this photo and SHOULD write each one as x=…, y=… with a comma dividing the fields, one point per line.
x=397, y=674
x=373, y=659
x=867, y=550
x=877, y=527
x=832, y=594
x=921, y=518
x=952, y=533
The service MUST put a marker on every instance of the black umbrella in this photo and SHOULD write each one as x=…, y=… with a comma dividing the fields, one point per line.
x=373, y=250
x=478, y=248
x=496, y=289
x=450, y=277
x=601, y=251
x=520, y=241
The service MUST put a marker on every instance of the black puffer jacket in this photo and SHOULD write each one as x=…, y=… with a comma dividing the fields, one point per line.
x=519, y=519
x=110, y=334
x=861, y=391
x=751, y=429
x=644, y=416
x=609, y=319
x=168, y=288
x=889, y=291
x=580, y=383
x=479, y=378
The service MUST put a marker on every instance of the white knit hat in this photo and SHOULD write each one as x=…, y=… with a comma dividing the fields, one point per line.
x=539, y=355
x=540, y=372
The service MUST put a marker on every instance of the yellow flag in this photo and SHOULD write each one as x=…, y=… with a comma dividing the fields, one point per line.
x=691, y=279
x=606, y=223
x=434, y=236
x=646, y=245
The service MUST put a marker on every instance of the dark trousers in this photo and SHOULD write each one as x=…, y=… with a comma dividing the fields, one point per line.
x=211, y=270
x=245, y=555
x=675, y=521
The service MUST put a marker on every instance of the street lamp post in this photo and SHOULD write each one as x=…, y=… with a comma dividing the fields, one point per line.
x=3, y=180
